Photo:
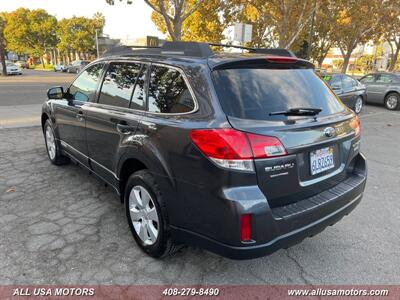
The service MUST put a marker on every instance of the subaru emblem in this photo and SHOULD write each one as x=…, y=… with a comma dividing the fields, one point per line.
x=329, y=131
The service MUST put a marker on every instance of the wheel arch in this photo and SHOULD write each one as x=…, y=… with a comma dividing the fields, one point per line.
x=128, y=167
x=130, y=163
x=44, y=118
x=390, y=92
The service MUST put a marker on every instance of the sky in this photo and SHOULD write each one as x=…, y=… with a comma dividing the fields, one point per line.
x=122, y=21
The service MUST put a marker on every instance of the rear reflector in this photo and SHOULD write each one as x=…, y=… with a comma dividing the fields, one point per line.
x=245, y=228
x=355, y=123
x=233, y=149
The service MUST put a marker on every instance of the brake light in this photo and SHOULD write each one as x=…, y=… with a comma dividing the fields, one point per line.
x=281, y=59
x=233, y=149
x=222, y=143
x=355, y=123
x=245, y=228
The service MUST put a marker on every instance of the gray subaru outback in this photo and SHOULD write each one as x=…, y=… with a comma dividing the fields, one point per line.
x=240, y=154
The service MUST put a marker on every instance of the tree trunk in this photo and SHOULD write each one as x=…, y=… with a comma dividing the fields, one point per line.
x=42, y=61
x=178, y=29
x=394, y=56
x=320, y=61
x=346, y=60
x=3, y=56
x=3, y=59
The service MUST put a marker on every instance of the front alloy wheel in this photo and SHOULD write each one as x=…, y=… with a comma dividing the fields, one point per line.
x=358, y=106
x=51, y=145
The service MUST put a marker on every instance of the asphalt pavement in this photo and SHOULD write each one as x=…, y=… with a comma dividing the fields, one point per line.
x=62, y=225
x=21, y=96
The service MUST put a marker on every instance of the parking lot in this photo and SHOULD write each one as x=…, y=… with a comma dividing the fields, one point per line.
x=62, y=225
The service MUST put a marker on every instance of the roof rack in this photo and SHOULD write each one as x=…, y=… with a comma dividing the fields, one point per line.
x=193, y=49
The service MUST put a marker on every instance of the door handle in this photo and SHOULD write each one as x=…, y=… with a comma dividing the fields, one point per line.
x=80, y=116
x=125, y=128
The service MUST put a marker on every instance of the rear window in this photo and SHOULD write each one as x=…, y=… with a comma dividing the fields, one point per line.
x=254, y=93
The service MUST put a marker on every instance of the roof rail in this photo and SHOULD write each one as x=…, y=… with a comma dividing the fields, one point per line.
x=272, y=51
x=194, y=49
x=170, y=48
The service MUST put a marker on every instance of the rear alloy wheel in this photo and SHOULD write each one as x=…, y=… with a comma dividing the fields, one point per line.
x=53, y=150
x=147, y=215
x=358, y=105
x=144, y=215
x=392, y=101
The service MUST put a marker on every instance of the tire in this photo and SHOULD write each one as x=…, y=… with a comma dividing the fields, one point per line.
x=358, y=105
x=392, y=101
x=143, y=219
x=52, y=147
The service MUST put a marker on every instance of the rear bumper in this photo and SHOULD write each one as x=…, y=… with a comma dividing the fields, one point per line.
x=283, y=241
x=288, y=225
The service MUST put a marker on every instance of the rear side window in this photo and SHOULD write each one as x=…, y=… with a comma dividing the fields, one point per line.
x=168, y=92
x=336, y=82
x=348, y=82
x=384, y=78
x=368, y=78
x=254, y=93
x=84, y=87
x=118, y=84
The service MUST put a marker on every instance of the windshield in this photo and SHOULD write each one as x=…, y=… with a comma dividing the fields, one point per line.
x=255, y=93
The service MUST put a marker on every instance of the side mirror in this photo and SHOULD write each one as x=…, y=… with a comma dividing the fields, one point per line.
x=336, y=87
x=56, y=92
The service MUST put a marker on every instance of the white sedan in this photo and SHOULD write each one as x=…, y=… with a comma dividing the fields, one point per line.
x=12, y=69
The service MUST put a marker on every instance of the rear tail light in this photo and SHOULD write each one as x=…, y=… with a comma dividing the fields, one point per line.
x=355, y=123
x=265, y=146
x=245, y=228
x=234, y=149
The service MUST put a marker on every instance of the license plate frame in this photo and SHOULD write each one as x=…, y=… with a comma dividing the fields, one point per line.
x=322, y=160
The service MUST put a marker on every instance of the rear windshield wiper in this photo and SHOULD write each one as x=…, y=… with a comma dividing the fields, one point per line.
x=298, y=111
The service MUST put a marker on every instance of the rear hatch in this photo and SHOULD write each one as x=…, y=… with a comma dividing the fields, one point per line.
x=287, y=100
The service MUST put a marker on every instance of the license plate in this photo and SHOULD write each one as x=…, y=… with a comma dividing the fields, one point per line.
x=321, y=160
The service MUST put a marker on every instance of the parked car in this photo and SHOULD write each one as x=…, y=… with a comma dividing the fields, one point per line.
x=21, y=64
x=59, y=67
x=12, y=69
x=350, y=90
x=383, y=88
x=240, y=154
x=77, y=65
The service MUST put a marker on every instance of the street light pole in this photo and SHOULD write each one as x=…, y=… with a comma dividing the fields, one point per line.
x=97, y=43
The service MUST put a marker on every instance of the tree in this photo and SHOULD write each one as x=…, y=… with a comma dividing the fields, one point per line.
x=2, y=44
x=174, y=13
x=30, y=31
x=78, y=34
x=204, y=25
x=325, y=18
x=390, y=27
x=276, y=23
x=356, y=23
